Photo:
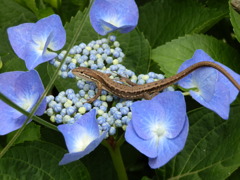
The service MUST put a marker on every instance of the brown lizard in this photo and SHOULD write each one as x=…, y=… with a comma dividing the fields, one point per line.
x=136, y=91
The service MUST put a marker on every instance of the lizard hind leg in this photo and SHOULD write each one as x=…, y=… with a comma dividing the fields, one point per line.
x=127, y=81
x=148, y=96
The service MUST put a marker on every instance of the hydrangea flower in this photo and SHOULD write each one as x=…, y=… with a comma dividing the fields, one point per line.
x=35, y=42
x=24, y=89
x=213, y=89
x=82, y=137
x=107, y=16
x=159, y=127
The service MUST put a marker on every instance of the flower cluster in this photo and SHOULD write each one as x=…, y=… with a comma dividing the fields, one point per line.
x=95, y=55
x=68, y=106
x=158, y=128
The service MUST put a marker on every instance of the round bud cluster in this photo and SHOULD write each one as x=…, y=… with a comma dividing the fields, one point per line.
x=94, y=55
x=112, y=112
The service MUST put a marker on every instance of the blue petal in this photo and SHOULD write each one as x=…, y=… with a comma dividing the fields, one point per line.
x=107, y=16
x=168, y=148
x=167, y=109
x=219, y=102
x=175, y=111
x=19, y=38
x=50, y=28
x=205, y=79
x=147, y=147
x=143, y=119
x=216, y=92
x=228, y=84
x=11, y=122
x=198, y=56
x=34, y=57
x=31, y=41
x=89, y=122
x=29, y=84
x=82, y=132
x=70, y=157
x=24, y=89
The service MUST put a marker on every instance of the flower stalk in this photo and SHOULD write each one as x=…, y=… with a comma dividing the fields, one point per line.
x=115, y=153
x=50, y=84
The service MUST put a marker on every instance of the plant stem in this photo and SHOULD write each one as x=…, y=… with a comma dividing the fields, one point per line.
x=35, y=118
x=50, y=84
x=117, y=158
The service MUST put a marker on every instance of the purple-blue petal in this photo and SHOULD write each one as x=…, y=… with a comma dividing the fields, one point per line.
x=70, y=157
x=19, y=38
x=107, y=16
x=30, y=84
x=89, y=122
x=76, y=134
x=205, y=80
x=167, y=109
x=219, y=102
x=31, y=41
x=84, y=126
x=147, y=147
x=215, y=91
x=144, y=118
x=168, y=148
x=166, y=112
x=50, y=28
x=24, y=89
x=33, y=57
x=175, y=111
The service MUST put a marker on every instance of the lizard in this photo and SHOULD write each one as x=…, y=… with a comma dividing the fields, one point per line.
x=136, y=91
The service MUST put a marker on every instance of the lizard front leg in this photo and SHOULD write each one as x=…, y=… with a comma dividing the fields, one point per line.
x=99, y=86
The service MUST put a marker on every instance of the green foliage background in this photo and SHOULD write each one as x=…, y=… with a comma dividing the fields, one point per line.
x=168, y=33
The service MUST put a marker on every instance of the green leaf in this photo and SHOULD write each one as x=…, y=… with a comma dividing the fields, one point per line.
x=212, y=149
x=171, y=55
x=219, y=4
x=137, y=51
x=162, y=21
x=88, y=34
x=235, y=20
x=39, y=160
x=9, y=59
x=31, y=4
x=30, y=133
x=12, y=13
x=100, y=165
x=42, y=69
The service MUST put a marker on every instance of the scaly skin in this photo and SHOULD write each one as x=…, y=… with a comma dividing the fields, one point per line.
x=135, y=91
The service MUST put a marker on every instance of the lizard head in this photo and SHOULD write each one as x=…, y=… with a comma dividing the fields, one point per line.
x=85, y=73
